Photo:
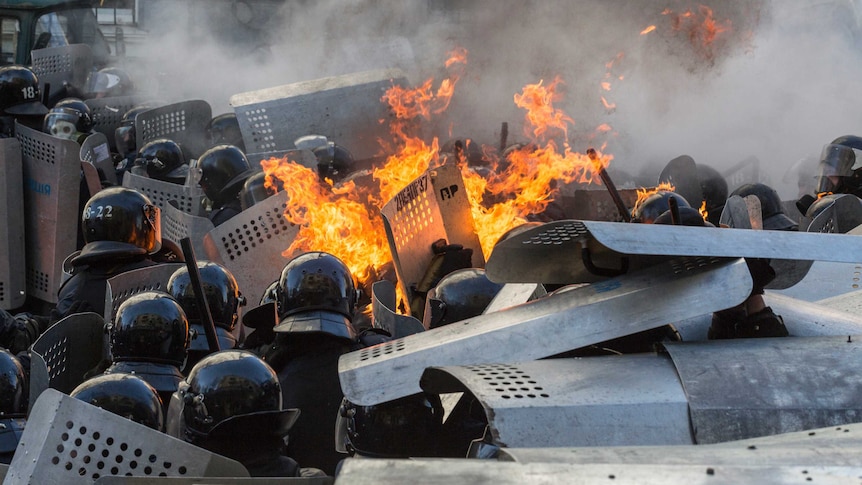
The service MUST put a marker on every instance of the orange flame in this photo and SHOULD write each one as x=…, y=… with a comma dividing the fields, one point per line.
x=648, y=30
x=701, y=27
x=645, y=192
x=703, y=212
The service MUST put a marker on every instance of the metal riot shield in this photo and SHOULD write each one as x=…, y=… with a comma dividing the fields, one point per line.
x=184, y=122
x=512, y=294
x=72, y=442
x=188, y=199
x=594, y=204
x=848, y=302
x=177, y=225
x=91, y=177
x=305, y=158
x=432, y=207
x=383, y=302
x=735, y=213
x=548, y=326
x=65, y=352
x=746, y=171
x=125, y=285
x=346, y=109
x=215, y=481
x=12, y=268
x=251, y=244
x=806, y=319
x=66, y=64
x=108, y=112
x=52, y=169
x=841, y=216
x=746, y=388
x=97, y=151
x=597, y=401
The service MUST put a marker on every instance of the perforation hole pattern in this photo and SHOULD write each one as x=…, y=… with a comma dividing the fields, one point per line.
x=684, y=265
x=382, y=350
x=509, y=382
x=164, y=124
x=2, y=292
x=37, y=280
x=55, y=64
x=37, y=149
x=106, y=119
x=261, y=130
x=161, y=197
x=56, y=357
x=248, y=235
x=88, y=452
x=414, y=218
x=560, y=234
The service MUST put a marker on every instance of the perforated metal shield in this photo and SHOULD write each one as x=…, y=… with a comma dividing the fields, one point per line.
x=598, y=401
x=125, y=285
x=735, y=213
x=108, y=112
x=432, y=207
x=841, y=216
x=512, y=294
x=808, y=319
x=214, y=481
x=70, y=441
x=346, y=109
x=65, y=352
x=250, y=244
x=594, y=204
x=12, y=268
x=188, y=199
x=383, y=302
x=177, y=224
x=305, y=158
x=52, y=168
x=824, y=279
x=67, y=64
x=848, y=302
x=97, y=151
x=746, y=388
x=184, y=122
x=544, y=327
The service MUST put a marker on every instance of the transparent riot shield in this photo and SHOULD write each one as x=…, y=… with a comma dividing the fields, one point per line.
x=66, y=64
x=12, y=268
x=595, y=401
x=177, y=224
x=125, y=285
x=432, y=207
x=108, y=112
x=52, y=171
x=97, y=151
x=72, y=442
x=746, y=388
x=251, y=244
x=184, y=122
x=188, y=199
x=65, y=352
x=346, y=109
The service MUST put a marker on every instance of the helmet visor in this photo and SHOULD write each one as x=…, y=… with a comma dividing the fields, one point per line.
x=835, y=161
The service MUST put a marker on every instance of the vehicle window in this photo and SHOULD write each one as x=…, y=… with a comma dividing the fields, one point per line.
x=9, y=31
x=73, y=26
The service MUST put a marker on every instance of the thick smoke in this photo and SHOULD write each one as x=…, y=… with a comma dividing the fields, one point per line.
x=777, y=86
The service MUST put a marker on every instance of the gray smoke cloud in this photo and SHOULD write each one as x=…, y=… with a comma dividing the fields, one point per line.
x=777, y=86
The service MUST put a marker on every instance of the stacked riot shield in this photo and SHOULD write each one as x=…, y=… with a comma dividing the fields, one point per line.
x=62, y=65
x=125, y=285
x=96, y=151
x=184, y=122
x=12, y=268
x=108, y=112
x=178, y=225
x=187, y=199
x=52, y=168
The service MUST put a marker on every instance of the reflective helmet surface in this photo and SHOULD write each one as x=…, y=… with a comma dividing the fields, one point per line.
x=316, y=281
x=406, y=427
x=125, y=395
x=647, y=210
x=221, y=290
x=150, y=327
x=85, y=115
x=254, y=189
x=835, y=161
x=125, y=135
x=109, y=81
x=771, y=210
x=224, y=130
x=334, y=162
x=122, y=215
x=224, y=169
x=714, y=188
x=460, y=295
x=226, y=385
x=19, y=92
x=63, y=123
x=164, y=160
x=13, y=385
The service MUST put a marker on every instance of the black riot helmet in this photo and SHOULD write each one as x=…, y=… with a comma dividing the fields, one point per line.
x=124, y=215
x=13, y=385
x=85, y=115
x=406, y=427
x=229, y=394
x=334, y=162
x=64, y=123
x=647, y=210
x=771, y=210
x=224, y=130
x=316, y=293
x=150, y=327
x=836, y=163
x=125, y=395
x=460, y=295
x=125, y=135
x=109, y=82
x=221, y=290
x=254, y=189
x=714, y=188
x=19, y=92
x=164, y=160
x=224, y=168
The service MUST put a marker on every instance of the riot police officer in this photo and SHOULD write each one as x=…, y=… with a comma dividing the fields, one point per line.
x=224, y=130
x=13, y=404
x=224, y=169
x=125, y=395
x=231, y=404
x=20, y=99
x=163, y=160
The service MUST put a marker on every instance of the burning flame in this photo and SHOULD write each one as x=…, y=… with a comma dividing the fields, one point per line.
x=648, y=30
x=645, y=192
x=701, y=28
x=703, y=212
